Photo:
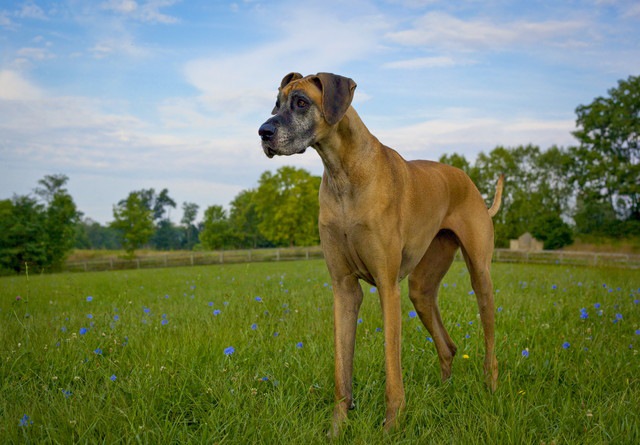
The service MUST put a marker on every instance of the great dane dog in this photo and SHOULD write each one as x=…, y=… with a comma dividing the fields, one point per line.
x=383, y=218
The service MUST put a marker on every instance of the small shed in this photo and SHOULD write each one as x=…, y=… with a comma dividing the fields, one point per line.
x=527, y=243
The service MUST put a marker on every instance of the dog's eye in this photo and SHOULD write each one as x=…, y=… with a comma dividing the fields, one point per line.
x=301, y=103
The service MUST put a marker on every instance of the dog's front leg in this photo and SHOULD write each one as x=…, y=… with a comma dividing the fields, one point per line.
x=347, y=298
x=392, y=315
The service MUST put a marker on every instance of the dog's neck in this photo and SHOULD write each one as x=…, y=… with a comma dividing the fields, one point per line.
x=348, y=154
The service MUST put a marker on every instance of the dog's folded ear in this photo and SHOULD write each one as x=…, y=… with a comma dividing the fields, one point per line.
x=337, y=94
x=286, y=80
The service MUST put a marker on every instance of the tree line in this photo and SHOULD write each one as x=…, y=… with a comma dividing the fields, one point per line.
x=588, y=190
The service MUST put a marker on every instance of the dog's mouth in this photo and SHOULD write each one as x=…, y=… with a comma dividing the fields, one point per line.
x=271, y=152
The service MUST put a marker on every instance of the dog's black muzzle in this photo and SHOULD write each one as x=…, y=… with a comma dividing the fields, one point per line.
x=267, y=131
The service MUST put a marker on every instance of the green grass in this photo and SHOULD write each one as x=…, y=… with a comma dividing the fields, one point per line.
x=173, y=383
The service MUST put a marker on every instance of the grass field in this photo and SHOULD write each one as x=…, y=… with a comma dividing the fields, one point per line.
x=244, y=354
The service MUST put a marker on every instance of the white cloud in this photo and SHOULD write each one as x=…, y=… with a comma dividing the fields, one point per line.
x=121, y=6
x=31, y=11
x=35, y=53
x=230, y=84
x=632, y=11
x=145, y=12
x=424, y=62
x=467, y=134
x=15, y=87
x=5, y=21
x=441, y=30
x=119, y=44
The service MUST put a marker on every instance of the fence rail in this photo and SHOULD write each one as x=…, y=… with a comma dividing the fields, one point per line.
x=306, y=253
x=568, y=258
x=196, y=259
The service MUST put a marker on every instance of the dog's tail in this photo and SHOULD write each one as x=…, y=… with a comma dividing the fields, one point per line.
x=497, y=200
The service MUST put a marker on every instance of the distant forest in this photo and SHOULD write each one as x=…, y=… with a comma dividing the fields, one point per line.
x=557, y=194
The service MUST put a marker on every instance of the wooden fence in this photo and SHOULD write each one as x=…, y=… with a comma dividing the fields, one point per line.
x=172, y=259
x=306, y=253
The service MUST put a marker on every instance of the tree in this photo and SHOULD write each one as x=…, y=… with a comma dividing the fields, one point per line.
x=22, y=234
x=167, y=236
x=215, y=231
x=92, y=235
x=156, y=203
x=537, y=188
x=608, y=158
x=190, y=212
x=134, y=220
x=552, y=231
x=61, y=218
x=38, y=233
x=287, y=206
x=244, y=220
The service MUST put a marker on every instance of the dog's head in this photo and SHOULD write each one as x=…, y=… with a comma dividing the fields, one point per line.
x=306, y=107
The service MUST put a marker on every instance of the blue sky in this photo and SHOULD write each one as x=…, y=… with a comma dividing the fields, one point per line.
x=121, y=95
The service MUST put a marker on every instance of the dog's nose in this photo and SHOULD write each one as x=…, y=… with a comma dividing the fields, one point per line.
x=266, y=131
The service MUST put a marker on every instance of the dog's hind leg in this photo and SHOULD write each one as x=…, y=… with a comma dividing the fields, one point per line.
x=424, y=282
x=478, y=251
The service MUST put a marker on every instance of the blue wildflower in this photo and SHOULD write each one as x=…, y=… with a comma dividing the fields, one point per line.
x=113, y=377
x=373, y=290
x=359, y=320
x=116, y=318
x=618, y=316
x=254, y=327
x=566, y=345
x=89, y=316
x=164, y=322
x=229, y=350
x=584, y=314
x=597, y=305
x=216, y=312
x=67, y=393
x=83, y=331
x=146, y=310
x=525, y=353
x=98, y=351
x=299, y=345
x=637, y=331
x=430, y=340
x=210, y=303
x=259, y=299
x=24, y=421
x=412, y=314
x=89, y=298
